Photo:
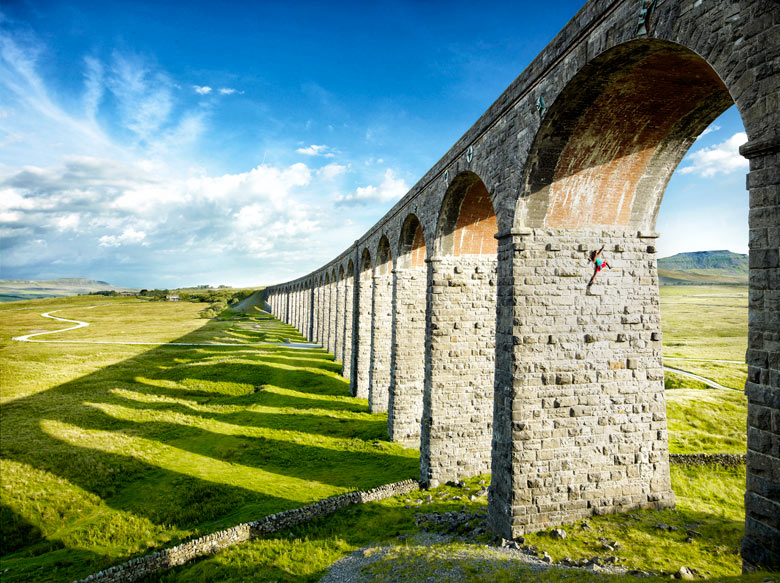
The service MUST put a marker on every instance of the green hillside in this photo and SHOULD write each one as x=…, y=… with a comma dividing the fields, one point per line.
x=28, y=289
x=704, y=267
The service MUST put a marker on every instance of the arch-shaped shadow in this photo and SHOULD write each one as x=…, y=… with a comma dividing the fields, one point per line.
x=166, y=469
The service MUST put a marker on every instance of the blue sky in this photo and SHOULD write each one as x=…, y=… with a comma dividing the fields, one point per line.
x=160, y=144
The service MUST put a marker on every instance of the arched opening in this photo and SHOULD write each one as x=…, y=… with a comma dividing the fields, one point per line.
x=407, y=369
x=467, y=221
x=338, y=316
x=332, y=300
x=349, y=290
x=460, y=336
x=364, y=314
x=381, y=327
x=411, y=244
x=595, y=177
x=612, y=139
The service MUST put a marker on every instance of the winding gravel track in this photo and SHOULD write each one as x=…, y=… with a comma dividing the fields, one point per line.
x=701, y=379
x=80, y=324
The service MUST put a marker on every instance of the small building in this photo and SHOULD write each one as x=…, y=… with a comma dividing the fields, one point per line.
x=172, y=298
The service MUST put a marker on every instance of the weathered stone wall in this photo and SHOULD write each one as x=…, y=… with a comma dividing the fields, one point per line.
x=654, y=83
x=381, y=329
x=338, y=319
x=584, y=431
x=761, y=543
x=459, y=368
x=346, y=347
x=362, y=344
x=331, y=315
x=407, y=370
x=212, y=543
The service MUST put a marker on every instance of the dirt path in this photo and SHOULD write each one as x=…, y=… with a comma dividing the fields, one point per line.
x=701, y=379
x=80, y=324
x=704, y=360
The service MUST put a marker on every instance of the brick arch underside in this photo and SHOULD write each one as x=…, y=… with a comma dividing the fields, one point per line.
x=467, y=223
x=613, y=138
x=411, y=244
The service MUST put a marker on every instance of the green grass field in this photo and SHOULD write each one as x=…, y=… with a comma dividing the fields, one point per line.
x=110, y=451
x=706, y=323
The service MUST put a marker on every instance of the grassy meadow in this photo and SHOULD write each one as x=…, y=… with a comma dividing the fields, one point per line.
x=111, y=451
x=700, y=324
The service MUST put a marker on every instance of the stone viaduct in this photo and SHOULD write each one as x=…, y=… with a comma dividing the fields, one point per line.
x=465, y=313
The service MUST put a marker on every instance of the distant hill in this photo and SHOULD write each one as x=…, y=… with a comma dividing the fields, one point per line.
x=704, y=267
x=28, y=289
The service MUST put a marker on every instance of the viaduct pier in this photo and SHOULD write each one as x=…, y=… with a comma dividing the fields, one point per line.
x=465, y=313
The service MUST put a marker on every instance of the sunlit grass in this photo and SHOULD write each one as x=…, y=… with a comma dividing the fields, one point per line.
x=709, y=502
x=708, y=323
x=118, y=450
x=706, y=421
x=705, y=322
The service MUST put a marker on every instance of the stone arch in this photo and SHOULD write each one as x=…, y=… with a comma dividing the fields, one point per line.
x=595, y=176
x=407, y=369
x=411, y=244
x=460, y=329
x=467, y=222
x=364, y=313
x=613, y=137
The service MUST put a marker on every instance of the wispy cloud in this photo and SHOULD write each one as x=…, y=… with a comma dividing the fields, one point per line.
x=709, y=130
x=390, y=189
x=315, y=150
x=107, y=183
x=723, y=158
x=128, y=237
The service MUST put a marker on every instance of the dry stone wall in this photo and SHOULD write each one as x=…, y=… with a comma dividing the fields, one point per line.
x=140, y=567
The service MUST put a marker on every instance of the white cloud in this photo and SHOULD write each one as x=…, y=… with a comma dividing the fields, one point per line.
x=10, y=216
x=723, y=158
x=202, y=89
x=144, y=95
x=67, y=222
x=315, y=150
x=709, y=130
x=128, y=237
x=391, y=189
x=331, y=171
x=111, y=182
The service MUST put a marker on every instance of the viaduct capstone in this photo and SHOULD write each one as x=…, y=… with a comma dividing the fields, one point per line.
x=465, y=312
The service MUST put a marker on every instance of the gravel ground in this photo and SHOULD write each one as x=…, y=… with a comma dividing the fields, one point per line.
x=423, y=561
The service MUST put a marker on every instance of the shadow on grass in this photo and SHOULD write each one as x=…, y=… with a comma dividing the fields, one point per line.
x=80, y=430
x=322, y=541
